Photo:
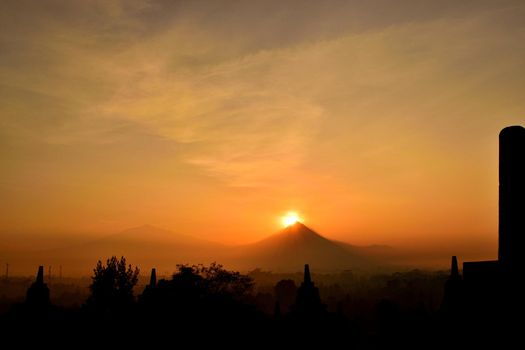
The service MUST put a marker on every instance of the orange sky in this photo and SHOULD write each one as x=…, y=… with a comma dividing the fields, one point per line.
x=377, y=121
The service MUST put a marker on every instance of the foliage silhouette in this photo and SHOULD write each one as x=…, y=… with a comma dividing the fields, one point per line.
x=112, y=285
x=285, y=292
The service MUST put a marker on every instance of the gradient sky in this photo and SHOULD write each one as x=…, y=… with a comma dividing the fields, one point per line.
x=376, y=120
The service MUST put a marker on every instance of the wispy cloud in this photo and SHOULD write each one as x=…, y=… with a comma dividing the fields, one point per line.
x=260, y=93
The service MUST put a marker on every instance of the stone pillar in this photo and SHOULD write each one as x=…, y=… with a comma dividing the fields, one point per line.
x=307, y=278
x=153, y=278
x=40, y=275
x=512, y=198
x=454, y=270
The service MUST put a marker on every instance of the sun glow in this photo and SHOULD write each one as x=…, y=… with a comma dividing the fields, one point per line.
x=290, y=218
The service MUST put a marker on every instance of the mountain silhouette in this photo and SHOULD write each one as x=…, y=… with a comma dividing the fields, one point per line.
x=297, y=244
x=150, y=235
x=147, y=246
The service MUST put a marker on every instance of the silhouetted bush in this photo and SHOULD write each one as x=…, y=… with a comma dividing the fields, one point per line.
x=285, y=292
x=112, y=285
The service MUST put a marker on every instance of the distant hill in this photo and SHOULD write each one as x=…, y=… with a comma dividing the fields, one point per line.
x=148, y=246
x=291, y=248
x=152, y=244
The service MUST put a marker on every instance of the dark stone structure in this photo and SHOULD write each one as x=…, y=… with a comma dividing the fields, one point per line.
x=308, y=302
x=481, y=270
x=147, y=296
x=38, y=293
x=492, y=291
x=510, y=263
x=153, y=278
x=512, y=199
x=453, y=295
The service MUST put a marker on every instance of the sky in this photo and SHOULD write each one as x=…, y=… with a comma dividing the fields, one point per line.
x=377, y=121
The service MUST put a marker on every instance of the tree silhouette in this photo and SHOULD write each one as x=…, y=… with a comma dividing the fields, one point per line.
x=112, y=284
x=285, y=292
x=198, y=293
x=221, y=281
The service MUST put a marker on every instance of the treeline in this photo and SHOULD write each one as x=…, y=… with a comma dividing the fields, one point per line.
x=207, y=305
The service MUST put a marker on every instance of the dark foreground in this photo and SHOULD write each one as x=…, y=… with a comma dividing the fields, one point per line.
x=209, y=306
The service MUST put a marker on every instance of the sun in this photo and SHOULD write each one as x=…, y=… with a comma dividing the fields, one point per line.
x=290, y=218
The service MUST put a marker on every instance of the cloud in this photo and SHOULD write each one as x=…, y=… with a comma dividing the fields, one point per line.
x=242, y=120
x=256, y=92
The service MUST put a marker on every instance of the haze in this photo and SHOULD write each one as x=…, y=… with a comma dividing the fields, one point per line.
x=375, y=121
